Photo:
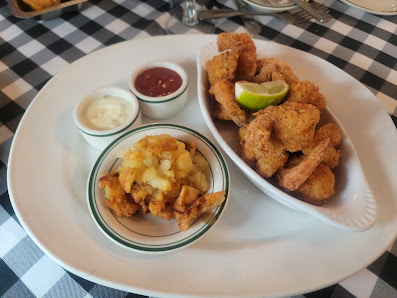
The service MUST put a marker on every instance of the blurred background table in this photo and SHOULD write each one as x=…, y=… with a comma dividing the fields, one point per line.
x=32, y=51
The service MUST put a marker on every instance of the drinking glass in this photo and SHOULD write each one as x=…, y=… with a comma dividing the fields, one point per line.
x=184, y=17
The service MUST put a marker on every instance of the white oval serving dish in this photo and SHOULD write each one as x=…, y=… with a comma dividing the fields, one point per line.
x=352, y=207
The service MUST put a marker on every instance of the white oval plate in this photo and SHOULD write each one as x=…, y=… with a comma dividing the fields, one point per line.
x=352, y=207
x=146, y=233
x=270, y=6
x=380, y=7
x=259, y=248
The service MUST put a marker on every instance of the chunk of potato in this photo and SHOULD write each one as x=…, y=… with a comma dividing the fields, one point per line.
x=187, y=196
x=184, y=162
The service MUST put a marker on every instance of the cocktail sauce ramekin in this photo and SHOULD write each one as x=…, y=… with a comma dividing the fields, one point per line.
x=165, y=106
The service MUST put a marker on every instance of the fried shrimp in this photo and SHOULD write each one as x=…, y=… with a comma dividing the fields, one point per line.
x=331, y=131
x=222, y=67
x=318, y=187
x=295, y=125
x=223, y=91
x=247, y=153
x=306, y=92
x=261, y=128
x=273, y=158
x=273, y=69
x=244, y=45
x=255, y=136
x=259, y=148
x=331, y=155
x=292, y=178
x=219, y=112
x=264, y=72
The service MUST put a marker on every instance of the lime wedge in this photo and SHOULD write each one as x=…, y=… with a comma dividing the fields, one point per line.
x=253, y=96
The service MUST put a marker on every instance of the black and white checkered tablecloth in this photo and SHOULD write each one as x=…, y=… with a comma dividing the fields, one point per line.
x=33, y=51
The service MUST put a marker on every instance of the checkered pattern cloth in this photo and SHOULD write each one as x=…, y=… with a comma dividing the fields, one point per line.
x=33, y=51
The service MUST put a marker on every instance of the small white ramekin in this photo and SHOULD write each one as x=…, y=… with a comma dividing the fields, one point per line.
x=166, y=106
x=102, y=138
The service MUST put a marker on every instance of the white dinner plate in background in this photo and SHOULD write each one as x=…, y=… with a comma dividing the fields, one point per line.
x=270, y=6
x=380, y=7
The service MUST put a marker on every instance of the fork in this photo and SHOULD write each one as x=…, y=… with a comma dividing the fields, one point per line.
x=252, y=26
x=320, y=15
x=292, y=18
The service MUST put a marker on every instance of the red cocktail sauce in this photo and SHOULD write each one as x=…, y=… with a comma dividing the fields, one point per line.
x=158, y=81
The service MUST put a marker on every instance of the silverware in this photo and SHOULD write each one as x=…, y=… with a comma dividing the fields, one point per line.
x=250, y=24
x=320, y=15
x=292, y=18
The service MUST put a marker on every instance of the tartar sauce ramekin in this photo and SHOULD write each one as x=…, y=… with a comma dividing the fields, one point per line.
x=100, y=138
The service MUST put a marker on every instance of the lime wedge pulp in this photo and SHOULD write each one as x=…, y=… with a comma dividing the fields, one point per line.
x=254, y=96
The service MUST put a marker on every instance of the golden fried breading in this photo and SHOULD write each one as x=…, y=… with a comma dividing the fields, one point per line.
x=230, y=41
x=223, y=91
x=292, y=178
x=331, y=155
x=160, y=209
x=139, y=193
x=144, y=206
x=331, y=131
x=273, y=69
x=247, y=153
x=186, y=197
x=219, y=112
x=295, y=125
x=306, y=92
x=319, y=187
x=199, y=207
x=41, y=4
x=257, y=146
x=222, y=67
x=260, y=129
x=264, y=73
x=116, y=198
x=244, y=45
x=246, y=65
x=283, y=71
x=272, y=159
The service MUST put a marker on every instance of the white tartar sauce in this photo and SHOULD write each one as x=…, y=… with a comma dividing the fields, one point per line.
x=106, y=112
